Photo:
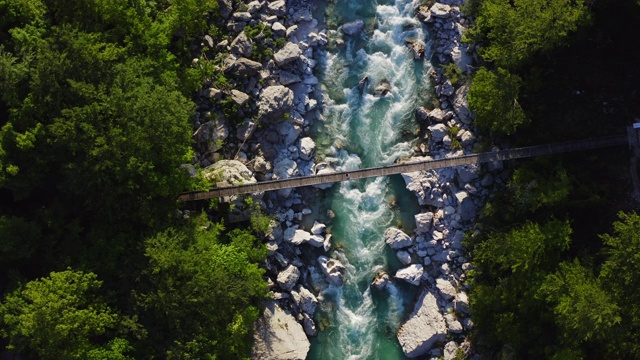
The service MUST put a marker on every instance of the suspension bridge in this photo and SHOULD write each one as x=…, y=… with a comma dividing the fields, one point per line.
x=631, y=138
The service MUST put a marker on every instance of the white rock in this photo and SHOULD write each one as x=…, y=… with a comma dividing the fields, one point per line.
x=461, y=105
x=332, y=269
x=274, y=102
x=438, y=132
x=278, y=7
x=296, y=236
x=279, y=29
x=318, y=228
x=411, y=274
x=284, y=169
x=450, y=350
x=423, y=222
x=229, y=172
x=404, y=257
x=396, y=238
x=242, y=46
x=305, y=300
x=288, y=277
x=316, y=241
x=453, y=324
x=327, y=242
x=279, y=336
x=447, y=290
x=307, y=148
x=440, y=10
x=425, y=327
x=290, y=52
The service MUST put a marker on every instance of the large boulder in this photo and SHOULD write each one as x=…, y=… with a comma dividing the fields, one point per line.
x=332, y=269
x=242, y=46
x=243, y=67
x=447, y=290
x=284, y=169
x=288, y=277
x=229, y=173
x=296, y=236
x=305, y=300
x=225, y=8
x=279, y=336
x=411, y=274
x=278, y=8
x=425, y=327
x=290, y=52
x=210, y=135
x=239, y=97
x=466, y=209
x=396, y=238
x=353, y=28
x=438, y=132
x=461, y=105
x=307, y=148
x=423, y=222
x=440, y=10
x=274, y=102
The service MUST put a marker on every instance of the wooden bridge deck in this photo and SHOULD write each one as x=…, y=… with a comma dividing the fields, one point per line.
x=408, y=167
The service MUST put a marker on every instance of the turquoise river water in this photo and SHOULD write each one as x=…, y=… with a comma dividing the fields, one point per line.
x=364, y=130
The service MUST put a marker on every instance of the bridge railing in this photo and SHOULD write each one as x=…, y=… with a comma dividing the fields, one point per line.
x=407, y=167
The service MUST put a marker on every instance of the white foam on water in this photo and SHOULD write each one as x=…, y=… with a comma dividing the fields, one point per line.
x=367, y=131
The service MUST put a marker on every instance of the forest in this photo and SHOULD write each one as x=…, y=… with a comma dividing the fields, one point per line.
x=556, y=250
x=97, y=262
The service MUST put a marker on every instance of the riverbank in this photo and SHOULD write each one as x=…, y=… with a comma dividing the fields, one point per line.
x=278, y=104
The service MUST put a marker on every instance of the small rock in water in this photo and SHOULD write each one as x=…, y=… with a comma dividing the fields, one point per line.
x=332, y=269
x=381, y=281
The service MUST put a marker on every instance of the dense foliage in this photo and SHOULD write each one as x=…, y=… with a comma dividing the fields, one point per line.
x=511, y=33
x=545, y=285
x=516, y=30
x=95, y=107
x=493, y=97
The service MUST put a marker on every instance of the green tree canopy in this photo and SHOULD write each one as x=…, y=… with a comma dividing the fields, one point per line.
x=620, y=276
x=61, y=317
x=202, y=294
x=583, y=309
x=493, y=97
x=518, y=29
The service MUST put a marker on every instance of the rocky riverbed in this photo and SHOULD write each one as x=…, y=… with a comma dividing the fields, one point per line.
x=278, y=100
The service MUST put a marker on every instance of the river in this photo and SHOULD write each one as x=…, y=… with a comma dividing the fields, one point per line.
x=359, y=130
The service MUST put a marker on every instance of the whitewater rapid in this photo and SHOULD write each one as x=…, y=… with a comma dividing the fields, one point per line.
x=361, y=129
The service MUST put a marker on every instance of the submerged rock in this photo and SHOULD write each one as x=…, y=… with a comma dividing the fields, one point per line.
x=383, y=88
x=279, y=336
x=353, y=28
x=425, y=327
